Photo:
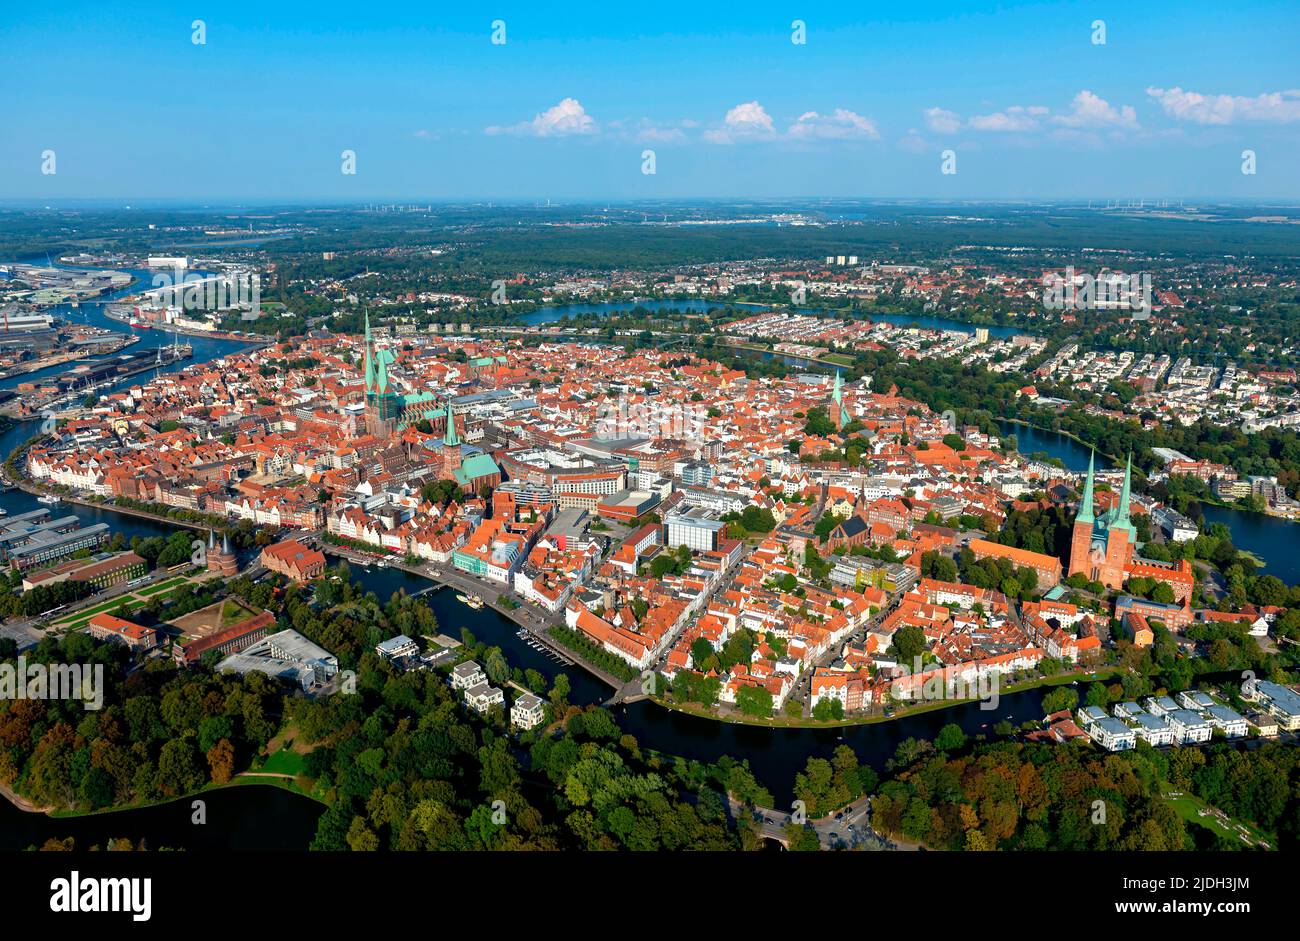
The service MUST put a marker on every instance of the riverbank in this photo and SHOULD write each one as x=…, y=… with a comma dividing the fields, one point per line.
x=22, y=803
x=806, y=722
x=520, y=613
x=241, y=780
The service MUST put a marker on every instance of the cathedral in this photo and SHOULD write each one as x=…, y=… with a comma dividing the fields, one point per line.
x=383, y=405
x=1102, y=545
x=839, y=414
x=387, y=412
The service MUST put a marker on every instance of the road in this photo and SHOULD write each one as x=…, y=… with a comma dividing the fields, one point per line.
x=847, y=828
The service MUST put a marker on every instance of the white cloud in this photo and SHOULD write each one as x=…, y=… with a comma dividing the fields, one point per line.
x=745, y=121
x=1279, y=107
x=661, y=135
x=564, y=119
x=941, y=121
x=913, y=142
x=1089, y=111
x=1015, y=118
x=841, y=124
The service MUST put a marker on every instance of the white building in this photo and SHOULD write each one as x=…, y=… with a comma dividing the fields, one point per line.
x=1154, y=730
x=1160, y=705
x=697, y=533
x=397, y=647
x=467, y=675
x=1111, y=734
x=483, y=697
x=1194, y=700
x=528, y=711
x=1282, y=702
x=1230, y=721
x=1190, y=728
x=1128, y=710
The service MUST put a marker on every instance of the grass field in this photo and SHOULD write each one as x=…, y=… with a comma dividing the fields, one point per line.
x=80, y=618
x=232, y=612
x=283, y=762
x=1189, y=807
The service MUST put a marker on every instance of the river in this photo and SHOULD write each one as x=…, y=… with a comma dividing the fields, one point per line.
x=249, y=817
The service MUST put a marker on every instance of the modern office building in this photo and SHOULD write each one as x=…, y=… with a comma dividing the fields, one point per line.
x=697, y=533
x=286, y=655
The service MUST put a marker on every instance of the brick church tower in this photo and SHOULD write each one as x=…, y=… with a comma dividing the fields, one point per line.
x=451, y=452
x=383, y=407
x=1102, y=546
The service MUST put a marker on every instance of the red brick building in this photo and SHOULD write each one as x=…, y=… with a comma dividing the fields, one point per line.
x=294, y=560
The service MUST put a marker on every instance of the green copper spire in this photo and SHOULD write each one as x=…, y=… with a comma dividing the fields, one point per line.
x=1086, y=514
x=839, y=413
x=369, y=360
x=449, y=437
x=1125, y=497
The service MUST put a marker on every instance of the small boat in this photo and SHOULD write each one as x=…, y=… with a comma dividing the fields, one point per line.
x=3, y=511
x=47, y=498
x=462, y=599
x=475, y=602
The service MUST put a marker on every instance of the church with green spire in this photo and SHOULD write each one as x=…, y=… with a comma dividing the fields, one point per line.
x=384, y=406
x=387, y=410
x=839, y=414
x=1102, y=545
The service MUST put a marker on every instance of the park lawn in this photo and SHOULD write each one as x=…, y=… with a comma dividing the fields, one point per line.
x=232, y=612
x=1189, y=806
x=285, y=761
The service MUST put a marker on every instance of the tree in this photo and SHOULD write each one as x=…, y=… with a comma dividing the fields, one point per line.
x=801, y=838
x=950, y=738
x=1059, y=699
x=828, y=709
x=908, y=643
x=178, y=766
x=360, y=838
x=221, y=761
x=754, y=701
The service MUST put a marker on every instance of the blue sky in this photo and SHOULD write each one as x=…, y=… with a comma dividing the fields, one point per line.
x=565, y=108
